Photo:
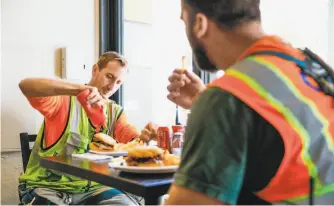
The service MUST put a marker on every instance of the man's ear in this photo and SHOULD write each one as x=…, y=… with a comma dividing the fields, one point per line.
x=95, y=70
x=201, y=25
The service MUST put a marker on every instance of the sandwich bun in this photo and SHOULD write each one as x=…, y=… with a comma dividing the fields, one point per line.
x=105, y=138
x=94, y=147
x=144, y=152
x=150, y=164
x=144, y=157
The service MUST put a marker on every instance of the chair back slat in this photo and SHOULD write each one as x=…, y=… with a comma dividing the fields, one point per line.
x=26, y=140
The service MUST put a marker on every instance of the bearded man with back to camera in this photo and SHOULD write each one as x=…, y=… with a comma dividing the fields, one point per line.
x=262, y=133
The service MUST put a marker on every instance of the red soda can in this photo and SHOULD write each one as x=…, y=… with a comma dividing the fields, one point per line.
x=164, y=138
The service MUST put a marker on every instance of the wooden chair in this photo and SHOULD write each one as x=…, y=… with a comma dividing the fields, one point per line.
x=26, y=140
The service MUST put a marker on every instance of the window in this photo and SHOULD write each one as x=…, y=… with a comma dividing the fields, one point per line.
x=153, y=39
x=154, y=43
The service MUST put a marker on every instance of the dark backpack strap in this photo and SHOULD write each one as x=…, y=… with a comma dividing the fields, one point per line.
x=300, y=63
x=312, y=66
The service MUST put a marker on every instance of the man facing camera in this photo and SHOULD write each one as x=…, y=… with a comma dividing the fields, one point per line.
x=67, y=130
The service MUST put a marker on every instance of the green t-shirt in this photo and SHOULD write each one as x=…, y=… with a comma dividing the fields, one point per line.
x=230, y=152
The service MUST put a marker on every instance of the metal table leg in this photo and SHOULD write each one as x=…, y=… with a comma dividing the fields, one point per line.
x=151, y=200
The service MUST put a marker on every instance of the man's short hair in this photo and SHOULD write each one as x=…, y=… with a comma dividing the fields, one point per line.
x=109, y=56
x=227, y=13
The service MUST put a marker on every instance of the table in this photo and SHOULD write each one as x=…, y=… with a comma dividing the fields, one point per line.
x=149, y=186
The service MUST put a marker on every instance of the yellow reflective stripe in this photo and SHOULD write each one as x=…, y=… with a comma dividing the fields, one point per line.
x=320, y=192
x=325, y=131
x=289, y=116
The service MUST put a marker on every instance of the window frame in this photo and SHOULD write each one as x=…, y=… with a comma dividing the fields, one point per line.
x=111, y=20
x=206, y=77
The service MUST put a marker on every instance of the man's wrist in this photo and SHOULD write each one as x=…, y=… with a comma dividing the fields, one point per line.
x=193, y=100
x=81, y=88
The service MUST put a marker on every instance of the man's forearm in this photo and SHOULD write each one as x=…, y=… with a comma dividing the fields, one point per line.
x=40, y=87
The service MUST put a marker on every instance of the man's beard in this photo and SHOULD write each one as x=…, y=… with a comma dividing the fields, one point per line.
x=201, y=59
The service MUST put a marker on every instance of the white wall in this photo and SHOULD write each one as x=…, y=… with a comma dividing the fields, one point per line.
x=33, y=31
x=304, y=23
x=331, y=34
x=138, y=11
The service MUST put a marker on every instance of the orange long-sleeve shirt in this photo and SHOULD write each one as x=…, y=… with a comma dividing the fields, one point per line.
x=55, y=110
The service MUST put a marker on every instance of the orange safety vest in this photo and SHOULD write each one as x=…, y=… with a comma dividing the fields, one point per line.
x=304, y=117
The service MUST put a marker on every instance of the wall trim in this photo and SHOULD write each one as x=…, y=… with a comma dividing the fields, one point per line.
x=8, y=151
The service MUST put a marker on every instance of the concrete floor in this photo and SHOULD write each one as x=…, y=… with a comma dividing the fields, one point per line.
x=11, y=168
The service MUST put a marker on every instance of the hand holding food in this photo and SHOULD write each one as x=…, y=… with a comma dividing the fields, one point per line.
x=184, y=87
x=149, y=132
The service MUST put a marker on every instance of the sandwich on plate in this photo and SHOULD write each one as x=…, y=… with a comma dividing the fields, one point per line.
x=144, y=156
x=102, y=143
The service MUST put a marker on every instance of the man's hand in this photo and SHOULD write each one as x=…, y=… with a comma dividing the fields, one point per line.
x=184, y=87
x=149, y=132
x=95, y=98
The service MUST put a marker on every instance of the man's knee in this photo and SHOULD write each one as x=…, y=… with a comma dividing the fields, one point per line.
x=32, y=198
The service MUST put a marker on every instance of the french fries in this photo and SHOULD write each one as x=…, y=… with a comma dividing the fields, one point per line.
x=120, y=147
x=183, y=67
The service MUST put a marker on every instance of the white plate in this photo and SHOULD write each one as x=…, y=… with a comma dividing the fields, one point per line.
x=144, y=170
x=114, y=154
x=91, y=156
